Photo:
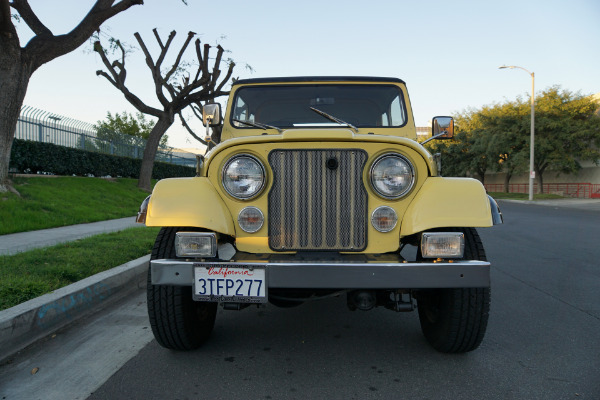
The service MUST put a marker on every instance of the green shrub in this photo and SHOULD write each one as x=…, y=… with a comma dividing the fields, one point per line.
x=35, y=157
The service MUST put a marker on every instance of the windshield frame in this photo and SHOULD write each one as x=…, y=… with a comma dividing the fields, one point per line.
x=403, y=111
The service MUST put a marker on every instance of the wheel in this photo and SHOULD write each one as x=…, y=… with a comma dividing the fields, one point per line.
x=455, y=320
x=178, y=322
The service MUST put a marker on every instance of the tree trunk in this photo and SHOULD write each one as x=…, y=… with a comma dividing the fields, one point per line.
x=507, y=181
x=145, y=179
x=14, y=79
x=481, y=174
x=539, y=173
x=540, y=179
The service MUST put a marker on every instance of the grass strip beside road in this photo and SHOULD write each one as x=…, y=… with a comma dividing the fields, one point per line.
x=27, y=275
x=49, y=202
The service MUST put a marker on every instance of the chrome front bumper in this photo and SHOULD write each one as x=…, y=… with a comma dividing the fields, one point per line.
x=352, y=273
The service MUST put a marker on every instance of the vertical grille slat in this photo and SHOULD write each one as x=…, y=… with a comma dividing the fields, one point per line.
x=313, y=207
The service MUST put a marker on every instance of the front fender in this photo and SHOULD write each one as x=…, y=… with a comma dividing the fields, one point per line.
x=447, y=202
x=189, y=202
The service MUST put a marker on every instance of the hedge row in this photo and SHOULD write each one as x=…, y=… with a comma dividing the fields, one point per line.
x=35, y=157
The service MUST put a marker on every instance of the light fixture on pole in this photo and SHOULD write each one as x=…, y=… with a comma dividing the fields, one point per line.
x=531, y=147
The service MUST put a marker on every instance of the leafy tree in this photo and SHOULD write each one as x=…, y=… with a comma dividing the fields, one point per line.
x=127, y=128
x=567, y=131
x=496, y=137
x=452, y=152
x=124, y=134
x=501, y=127
x=468, y=152
x=17, y=63
x=175, y=88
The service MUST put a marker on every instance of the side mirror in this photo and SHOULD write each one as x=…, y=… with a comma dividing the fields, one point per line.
x=211, y=114
x=442, y=126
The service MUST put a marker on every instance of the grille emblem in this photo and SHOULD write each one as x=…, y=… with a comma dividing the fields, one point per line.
x=332, y=163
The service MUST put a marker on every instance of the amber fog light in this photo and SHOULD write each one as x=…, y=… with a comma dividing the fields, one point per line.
x=442, y=244
x=251, y=219
x=384, y=219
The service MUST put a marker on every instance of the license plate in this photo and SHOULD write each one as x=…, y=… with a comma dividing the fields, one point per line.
x=223, y=283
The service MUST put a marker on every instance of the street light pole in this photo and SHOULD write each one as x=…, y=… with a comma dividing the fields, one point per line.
x=532, y=141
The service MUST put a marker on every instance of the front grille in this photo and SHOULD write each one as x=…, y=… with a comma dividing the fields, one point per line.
x=318, y=200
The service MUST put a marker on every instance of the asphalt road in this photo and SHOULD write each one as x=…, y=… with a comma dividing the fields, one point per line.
x=542, y=342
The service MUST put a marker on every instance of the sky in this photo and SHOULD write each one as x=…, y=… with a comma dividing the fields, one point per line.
x=447, y=52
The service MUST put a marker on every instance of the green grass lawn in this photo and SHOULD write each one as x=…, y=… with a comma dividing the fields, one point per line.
x=59, y=201
x=27, y=275
x=523, y=196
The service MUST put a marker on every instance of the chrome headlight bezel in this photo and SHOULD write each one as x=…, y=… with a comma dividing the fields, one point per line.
x=224, y=176
x=405, y=190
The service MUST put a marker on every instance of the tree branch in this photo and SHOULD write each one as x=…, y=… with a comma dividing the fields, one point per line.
x=121, y=65
x=100, y=50
x=165, y=48
x=190, y=131
x=205, y=61
x=224, y=81
x=197, y=112
x=158, y=39
x=178, y=59
x=7, y=28
x=32, y=21
x=42, y=48
x=155, y=69
x=216, y=70
x=118, y=81
x=108, y=78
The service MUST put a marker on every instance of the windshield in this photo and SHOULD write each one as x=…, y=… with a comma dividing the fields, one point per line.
x=289, y=106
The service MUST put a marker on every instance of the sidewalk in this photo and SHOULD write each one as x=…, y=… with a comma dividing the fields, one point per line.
x=28, y=322
x=23, y=241
x=578, y=204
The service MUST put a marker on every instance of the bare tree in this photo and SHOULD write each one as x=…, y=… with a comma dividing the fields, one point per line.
x=17, y=63
x=173, y=97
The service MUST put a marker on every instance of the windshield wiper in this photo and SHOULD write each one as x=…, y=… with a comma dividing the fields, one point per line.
x=334, y=119
x=258, y=125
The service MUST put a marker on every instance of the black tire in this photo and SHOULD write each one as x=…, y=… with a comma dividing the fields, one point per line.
x=455, y=320
x=178, y=322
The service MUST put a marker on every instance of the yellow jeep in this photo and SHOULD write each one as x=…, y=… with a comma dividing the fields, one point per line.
x=317, y=188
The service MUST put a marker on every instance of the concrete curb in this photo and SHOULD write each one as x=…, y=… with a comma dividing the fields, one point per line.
x=28, y=322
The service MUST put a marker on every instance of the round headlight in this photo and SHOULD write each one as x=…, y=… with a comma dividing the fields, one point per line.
x=243, y=176
x=392, y=176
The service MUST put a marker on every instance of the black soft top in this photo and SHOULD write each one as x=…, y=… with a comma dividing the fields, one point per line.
x=317, y=79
